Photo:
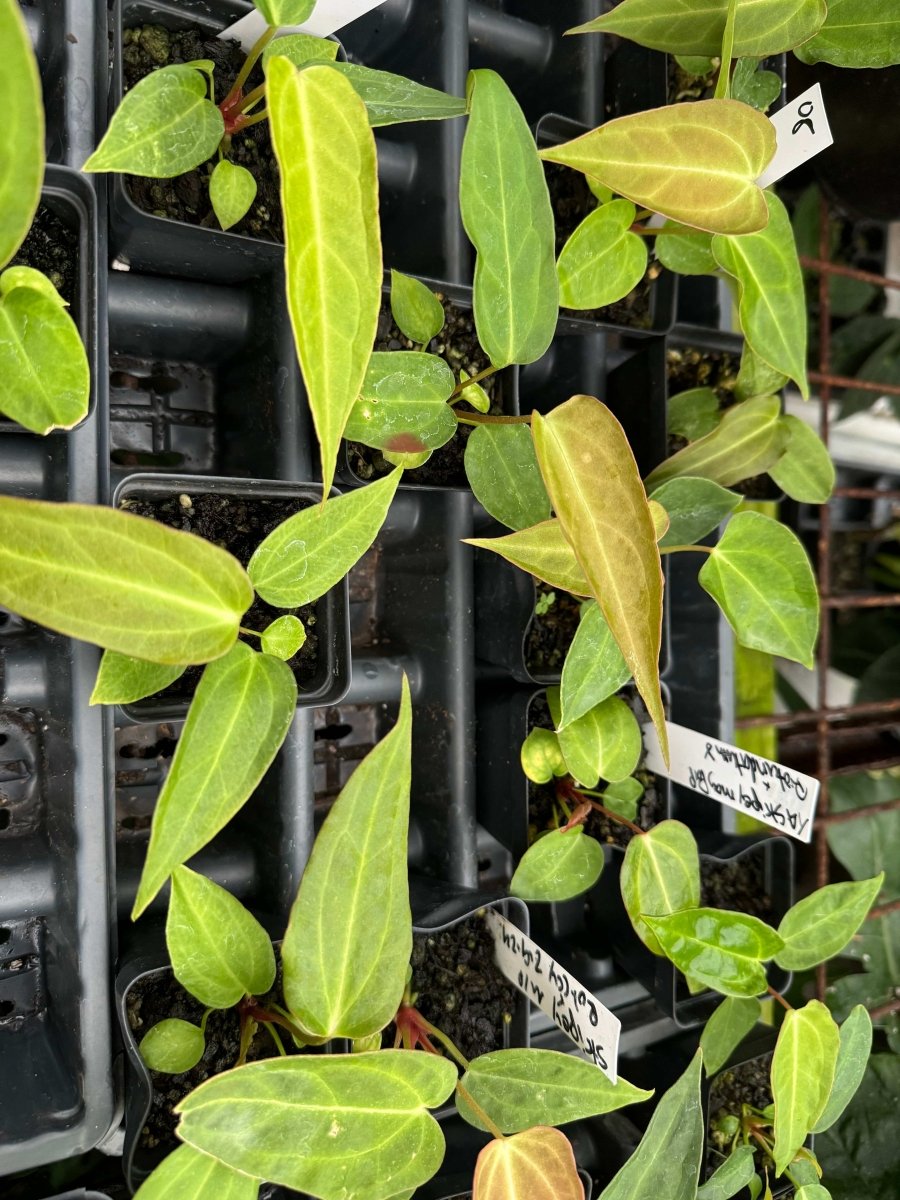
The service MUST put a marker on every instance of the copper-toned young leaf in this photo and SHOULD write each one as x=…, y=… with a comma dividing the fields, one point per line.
x=535, y=1165
x=696, y=163
x=610, y=528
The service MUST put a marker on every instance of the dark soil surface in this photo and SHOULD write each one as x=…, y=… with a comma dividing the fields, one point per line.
x=685, y=87
x=186, y=197
x=459, y=987
x=747, y=1083
x=457, y=344
x=238, y=525
x=542, y=798
x=572, y=200
x=550, y=633
x=52, y=247
x=738, y=885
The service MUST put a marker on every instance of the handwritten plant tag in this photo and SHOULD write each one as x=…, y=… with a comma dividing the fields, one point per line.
x=802, y=130
x=327, y=18
x=770, y=793
x=574, y=1010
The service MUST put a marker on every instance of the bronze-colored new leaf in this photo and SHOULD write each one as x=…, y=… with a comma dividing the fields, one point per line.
x=593, y=482
x=695, y=163
x=535, y=1165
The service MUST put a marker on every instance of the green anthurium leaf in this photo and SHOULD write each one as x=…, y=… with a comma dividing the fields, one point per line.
x=622, y=797
x=853, y=1055
x=605, y=743
x=755, y=1188
x=329, y=192
x=693, y=414
x=505, y=207
x=756, y=377
x=855, y=342
x=734, y=1174
x=300, y=49
x=594, y=668
x=219, y=952
x=694, y=163
x=232, y=189
x=402, y=406
x=344, y=977
x=503, y=472
x=285, y=12
x=602, y=260
x=542, y=551
x=474, y=394
x=762, y=28
x=751, y=85
x=362, y=1121
x=415, y=308
x=541, y=756
x=164, y=126
x=313, y=550
x=123, y=582
x=538, y=1164
x=122, y=679
x=726, y=1029
x=173, y=1046
x=560, y=865
x=22, y=145
x=723, y=950
x=408, y=462
x=803, y=1068
x=805, y=470
x=187, y=1172
x=660, y=519
x=812, y=1191
x=760, y=577
x=805, y=1169
x=882, y=366
x=667, y=1161
x=283, y=637
x=611, y=531
x=45, y=380
x=521, y=1088
x=856, y=1153
x=772, y=296
x=856, y=33
x=214, y=771
x=686, y=252
x=660, y=875
x=697, y=65
x=748, y=440
x=819, y=926
x=695, y=508
x=392, y=99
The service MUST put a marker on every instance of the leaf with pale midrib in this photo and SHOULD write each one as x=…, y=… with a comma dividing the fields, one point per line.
x=22, y=143
x=188, y=1173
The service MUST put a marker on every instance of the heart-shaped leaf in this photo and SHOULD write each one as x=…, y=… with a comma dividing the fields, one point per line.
x=541, y=756
x=187, y=1172
x=172, y=1046
x=283, y=637
x=660, y=874
x=232, y=189
x=856, y=33
x=752, y=85
x=503, y=473
x=402, y=405
x=803, y=1069
x=819, y=926
x=122, y=679
x=695, y=508
x=726, y=1029
x=805, y=470
x=853, y=1056
x=560, y=865
x=602, y=260
x=22, y=144
x=543, y=551
x=535, y=1165
x=415, y=308
x=605, y=743
x=723, y=950
x=594, y=668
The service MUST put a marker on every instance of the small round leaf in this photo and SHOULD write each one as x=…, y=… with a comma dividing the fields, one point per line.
x=232, y=189
x=284, y=637
x=173, y=1046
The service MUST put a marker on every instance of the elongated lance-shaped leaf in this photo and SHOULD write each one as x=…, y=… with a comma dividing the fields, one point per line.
x=187, y=1172
x=503, y=473
x=695, y=163
x=313, y=550
x=122, y=679
x=506, y=210
x=560, y=865
x=215, y=771
x=22, y=144
x=819, y=926
x=349, y=939
x=853, y=1055
x=722, y=950
x=402, y=407
x=856, y=33
x=332, y=242
x=805, y=471
x=748, y=440
x=667, y=1161
x=541, y=550
x=660, y=874
x=726, y=1029
x=611, y=531
x=773, y=299
x=602, y=260
x=219, y=951
x=803, y=1068
x=594, y=668
x=332, y=1125
x=686, y=27
x=538, y=1164
x=120, y=581
x=392, y=99
x=731, y=1177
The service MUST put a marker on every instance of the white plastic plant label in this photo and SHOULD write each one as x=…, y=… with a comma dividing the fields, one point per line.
x=572, y=1008
x=328, y=17
x=770, y=793
x=803, y=131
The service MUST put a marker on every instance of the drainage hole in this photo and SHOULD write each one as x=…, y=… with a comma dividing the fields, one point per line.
x=7, y=1007
x=5, y=935
x=3, y=739
x=332, y=733
x=5, y=818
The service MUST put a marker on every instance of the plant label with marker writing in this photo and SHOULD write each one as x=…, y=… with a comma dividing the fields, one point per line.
x=769, y=792
x=803, y=131
x=572, y=1008
x=328, y=17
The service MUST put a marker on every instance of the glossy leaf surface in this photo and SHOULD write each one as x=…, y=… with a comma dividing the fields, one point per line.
x=503, y=472
x=853, y=1055
x=300, y=49
x=805, y=471
x=122, y=679
x=215, y=770
x=726, y=1029
x=602, y=260
x=558, y=866
x=219, y=951
x=803, y=1068
x=310, y=552
x=541, y=756
x=760, y=577
x=22, y=144
x=164, y=126
x=232, y=189
x=283, y=637
x=344, y=974
x=506, y=211
x=535, y=1165
x=393, y=99
x=694, y=163
x=187, y=1172
x=856, y=33
x=820, y=925
x=120, y=581
x=594, y=668
x=172, y=1046
x=402, y=405
x=329, y=193
x=285, y=12
x=695, y=506
x=734, y=1174
x=611, y=531
x=605, y=743
x=660, y=874
x=361, y=1120
x=415, y=308
x=752, y=85
x=723, y=950
x=693, y=414
x=541, y=550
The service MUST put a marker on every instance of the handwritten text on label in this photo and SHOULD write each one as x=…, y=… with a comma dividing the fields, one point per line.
x=802, y=130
